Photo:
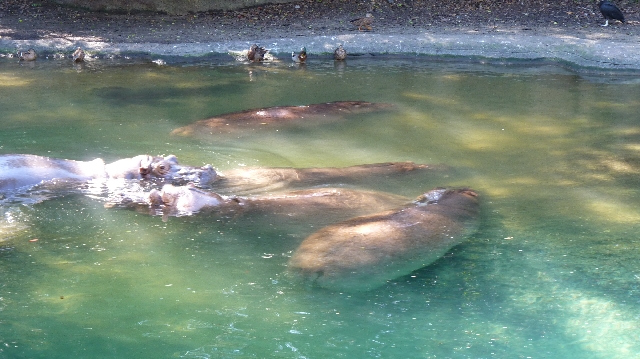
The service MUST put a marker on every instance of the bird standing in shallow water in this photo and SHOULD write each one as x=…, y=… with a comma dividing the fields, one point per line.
x=300, y=58
x=78, y=55
x=340, y=53
x=610, y=12
x=363, y=22
x=30, y=55
x=256, y=53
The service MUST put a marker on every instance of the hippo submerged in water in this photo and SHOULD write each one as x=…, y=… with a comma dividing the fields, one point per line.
x=21, y=171
x=333, y=203
x=365, y=252
x=249, y=180
x=274, y=116
x=377, y=244
x=242, y=185
x=385, y=240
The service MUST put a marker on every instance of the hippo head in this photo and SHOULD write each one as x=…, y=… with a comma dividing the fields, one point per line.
x=460, y=203
x=185, y=199
x=200, y=175
x=158, y=167
x=168, y=168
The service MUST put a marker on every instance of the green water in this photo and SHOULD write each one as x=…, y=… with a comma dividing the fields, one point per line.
x=553, y=271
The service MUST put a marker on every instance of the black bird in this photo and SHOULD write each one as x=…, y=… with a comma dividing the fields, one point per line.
x=610, y=12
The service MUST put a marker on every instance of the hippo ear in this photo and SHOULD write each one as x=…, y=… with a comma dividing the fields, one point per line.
x=155, y=197
x=145, y=164
x=145, y=160
x=172, y=158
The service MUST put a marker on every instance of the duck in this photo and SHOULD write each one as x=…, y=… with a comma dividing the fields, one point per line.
x=78, y=55
x=30, y=55
x=610, y=12
x=340, y=53
x=365, y=22
x=300, y=58
x=256, y=53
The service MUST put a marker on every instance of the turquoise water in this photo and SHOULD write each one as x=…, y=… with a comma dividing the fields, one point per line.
x=553, y=271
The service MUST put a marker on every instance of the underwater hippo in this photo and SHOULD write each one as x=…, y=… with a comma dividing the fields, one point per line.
x=265, y=187
x=331, y=204
x=365, y=252
x=256, y=118
x=260, y=179
x=23, y=171
x=250, y=181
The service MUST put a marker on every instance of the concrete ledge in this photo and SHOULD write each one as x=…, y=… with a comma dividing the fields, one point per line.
x=592, y=53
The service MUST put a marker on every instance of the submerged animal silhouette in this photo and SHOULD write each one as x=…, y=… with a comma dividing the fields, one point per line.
x=280, y=115
x=365, y=252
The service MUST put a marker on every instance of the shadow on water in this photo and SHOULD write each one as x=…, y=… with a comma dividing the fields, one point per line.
x=119, y=95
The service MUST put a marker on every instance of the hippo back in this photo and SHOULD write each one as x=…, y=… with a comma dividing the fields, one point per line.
x=365, y=252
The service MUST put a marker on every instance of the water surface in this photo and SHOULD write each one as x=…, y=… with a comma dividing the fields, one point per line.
x=553, y=271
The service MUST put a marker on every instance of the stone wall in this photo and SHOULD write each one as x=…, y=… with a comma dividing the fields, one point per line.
x=174, y=7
